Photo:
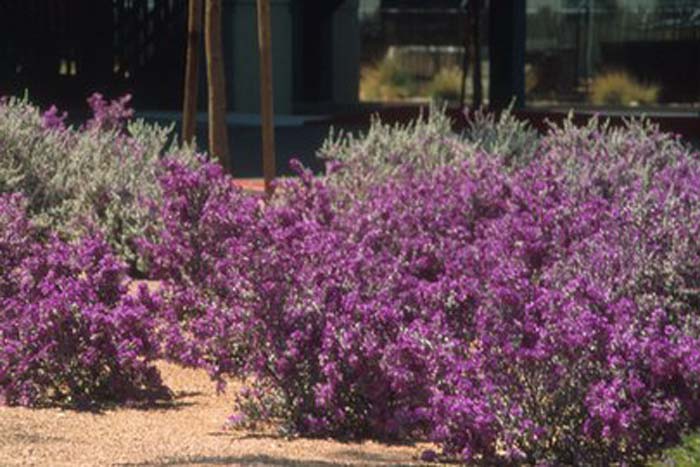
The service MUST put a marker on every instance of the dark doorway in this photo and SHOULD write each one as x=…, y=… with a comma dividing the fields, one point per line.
x=313, y=36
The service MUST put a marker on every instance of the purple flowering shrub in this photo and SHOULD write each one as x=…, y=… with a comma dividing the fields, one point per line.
x=106, y=115
x=82, y=179
x=274, y=286
x=545, y=311
x=16, y=238
x=207, y=231
x=607, y=159
x=69, y=334
x=584, y=352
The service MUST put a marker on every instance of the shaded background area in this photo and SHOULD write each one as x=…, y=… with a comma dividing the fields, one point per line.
x=62, y=51
x=573, y=44
x=296, y=138
x=336, y=62
x=335, y=56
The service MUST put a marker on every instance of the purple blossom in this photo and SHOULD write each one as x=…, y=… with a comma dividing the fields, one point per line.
x=53, y=120
x=542, y=312
x=69, y=333
x=108, y=115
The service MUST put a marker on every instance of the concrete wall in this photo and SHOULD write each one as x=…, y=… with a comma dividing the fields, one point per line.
x=241, y=55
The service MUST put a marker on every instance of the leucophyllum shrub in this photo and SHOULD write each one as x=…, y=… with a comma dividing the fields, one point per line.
x=608, y=159
x=543, y=311
x=95, y=177
x=387, y=151
x=69, y=334
x=16, y=239
x=276, y=291
x=391, y=151
x=208, y=233
x=583, y=353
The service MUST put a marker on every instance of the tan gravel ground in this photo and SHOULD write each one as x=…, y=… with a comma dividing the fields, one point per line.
x=187, y=431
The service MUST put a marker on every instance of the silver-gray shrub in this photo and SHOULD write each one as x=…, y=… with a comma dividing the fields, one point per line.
x=597, y=155
x=388, y=151
x=606, y=156
x=504, y=134
x=94, y=177
x=647, y=173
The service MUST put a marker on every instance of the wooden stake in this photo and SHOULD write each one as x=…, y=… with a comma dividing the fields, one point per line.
x=218, y=131
x=189, y=108
x=266, y=94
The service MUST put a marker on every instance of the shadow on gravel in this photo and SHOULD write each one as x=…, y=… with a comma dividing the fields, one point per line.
x=30, y=438
x=161, y=400
x=264, y=460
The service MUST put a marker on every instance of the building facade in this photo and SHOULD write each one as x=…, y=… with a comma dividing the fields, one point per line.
x=540, y=52
x=61, y=51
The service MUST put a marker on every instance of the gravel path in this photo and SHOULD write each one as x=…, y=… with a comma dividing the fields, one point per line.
x=187, y=431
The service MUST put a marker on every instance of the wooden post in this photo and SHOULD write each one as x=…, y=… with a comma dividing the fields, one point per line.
x=266, y=94
x=189, y=108
x=218, y=130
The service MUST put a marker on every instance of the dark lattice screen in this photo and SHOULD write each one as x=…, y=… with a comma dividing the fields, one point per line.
x=61, y=51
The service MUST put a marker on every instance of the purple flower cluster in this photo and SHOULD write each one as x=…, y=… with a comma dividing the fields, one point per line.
x=207, y=232
x=52, y=119
x=69, y=333
x=108, y=115
x=542, y=313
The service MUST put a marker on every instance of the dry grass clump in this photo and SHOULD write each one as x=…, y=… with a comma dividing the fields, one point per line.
x=446, y=84
x=619, y=88
x=386, y=81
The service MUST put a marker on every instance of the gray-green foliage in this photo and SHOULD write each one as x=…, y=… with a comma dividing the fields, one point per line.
x=387, y=151
x=600, y=153
x=503, y=135
x=685, y=454
x=80, y=179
